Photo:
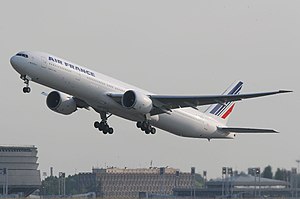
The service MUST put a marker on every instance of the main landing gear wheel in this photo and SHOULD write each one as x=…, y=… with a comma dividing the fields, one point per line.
x=103, y=125
x=26, y=89
x=146, y=126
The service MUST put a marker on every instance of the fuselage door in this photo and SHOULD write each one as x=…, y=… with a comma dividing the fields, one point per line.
x=44, y=62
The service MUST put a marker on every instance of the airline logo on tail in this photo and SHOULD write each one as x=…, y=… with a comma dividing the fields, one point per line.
x=224, y=110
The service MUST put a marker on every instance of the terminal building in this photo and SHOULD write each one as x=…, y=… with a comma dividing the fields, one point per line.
x=19, y=172
x=140, y=183
x=240, y=186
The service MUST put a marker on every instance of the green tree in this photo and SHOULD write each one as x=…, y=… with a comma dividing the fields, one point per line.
x=50, y=186
x=267, y=173
x=279, y=174
x=199, y=181
x=75, y=184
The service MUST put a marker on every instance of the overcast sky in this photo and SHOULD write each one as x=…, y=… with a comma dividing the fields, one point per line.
x=166, y=47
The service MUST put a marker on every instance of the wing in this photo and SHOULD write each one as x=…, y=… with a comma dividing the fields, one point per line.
x=245, y=130
x=165, y=103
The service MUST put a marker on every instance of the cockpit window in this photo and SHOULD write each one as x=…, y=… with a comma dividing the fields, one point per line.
x=22, y=55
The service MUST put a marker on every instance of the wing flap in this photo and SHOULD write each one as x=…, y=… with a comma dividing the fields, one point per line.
x=245, y=130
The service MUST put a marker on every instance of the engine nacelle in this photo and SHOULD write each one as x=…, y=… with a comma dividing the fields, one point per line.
x=61, y=103
x=137, y=101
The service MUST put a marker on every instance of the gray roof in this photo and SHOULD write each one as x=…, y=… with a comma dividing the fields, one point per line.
x=248, y=180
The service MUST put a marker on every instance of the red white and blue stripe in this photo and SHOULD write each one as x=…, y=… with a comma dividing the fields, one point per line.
x=224, y=110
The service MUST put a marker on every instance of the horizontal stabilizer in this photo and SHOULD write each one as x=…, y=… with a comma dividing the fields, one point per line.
x=245, y=130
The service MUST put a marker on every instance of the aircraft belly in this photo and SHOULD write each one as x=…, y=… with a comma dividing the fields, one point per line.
x=179, y=125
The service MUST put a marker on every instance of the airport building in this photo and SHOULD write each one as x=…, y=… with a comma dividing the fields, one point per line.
x=139, y=183
x=240, y=186
x=19, y=172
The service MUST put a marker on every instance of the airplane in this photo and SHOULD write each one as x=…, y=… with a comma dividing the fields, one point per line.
x=76, y=87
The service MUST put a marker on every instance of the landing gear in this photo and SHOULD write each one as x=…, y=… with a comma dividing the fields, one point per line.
x=26, y=79
x=146, y=126
x=26, y=90
x=103, y=125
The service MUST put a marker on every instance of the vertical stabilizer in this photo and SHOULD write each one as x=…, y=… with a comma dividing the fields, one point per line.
x=223, y=111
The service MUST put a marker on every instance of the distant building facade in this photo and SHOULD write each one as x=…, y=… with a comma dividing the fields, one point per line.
x=135, y=183
x=19, y=170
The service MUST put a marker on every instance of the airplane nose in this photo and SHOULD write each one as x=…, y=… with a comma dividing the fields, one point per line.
x=13, y=61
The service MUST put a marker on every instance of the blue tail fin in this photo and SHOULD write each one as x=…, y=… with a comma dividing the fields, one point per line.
x=222, y=111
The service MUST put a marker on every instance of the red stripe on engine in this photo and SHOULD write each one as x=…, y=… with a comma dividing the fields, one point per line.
x=228, y=112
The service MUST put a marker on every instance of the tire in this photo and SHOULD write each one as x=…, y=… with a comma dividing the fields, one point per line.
x=139, y=124
x=106, y=128
x=101, y=126
x=153, y=130
x=25, y=90
x=110, y=130
x=147, y=131
x=144, y=125
x=96, y=124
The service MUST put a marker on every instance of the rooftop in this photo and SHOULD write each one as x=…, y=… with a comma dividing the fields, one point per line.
x=248, y=180
x=10, y=148
x=150, y=170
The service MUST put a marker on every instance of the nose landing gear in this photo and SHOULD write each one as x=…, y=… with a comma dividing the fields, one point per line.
x=26, y=90
x=26, y=79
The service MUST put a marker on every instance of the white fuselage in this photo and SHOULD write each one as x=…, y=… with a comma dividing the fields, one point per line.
x=93, y=87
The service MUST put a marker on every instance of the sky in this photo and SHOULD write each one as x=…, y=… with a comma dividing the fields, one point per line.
x=166, y=47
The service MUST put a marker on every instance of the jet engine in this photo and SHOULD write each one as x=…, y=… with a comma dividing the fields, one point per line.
x=61, y=103
x=137, y=101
